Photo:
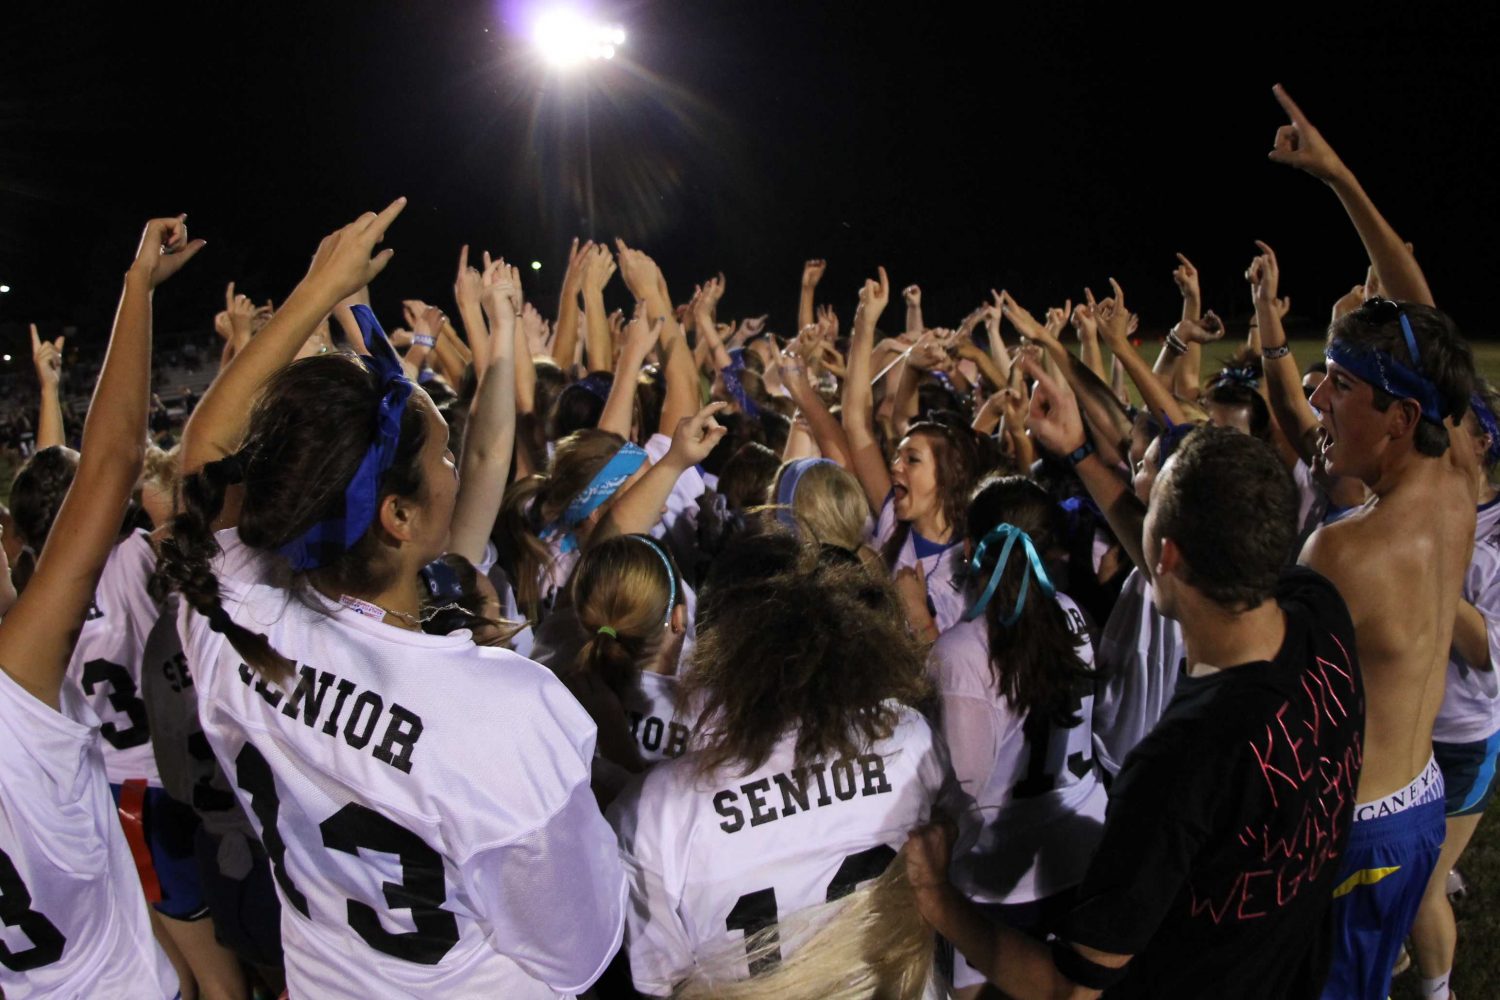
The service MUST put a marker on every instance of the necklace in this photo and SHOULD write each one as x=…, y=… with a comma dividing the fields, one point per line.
x=375, y=612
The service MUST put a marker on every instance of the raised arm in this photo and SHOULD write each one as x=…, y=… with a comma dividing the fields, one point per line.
x=649, y=286
x=37, y=636
x=490, y=434
x=705, y=306
x=567, y=306
x=341, y=266
x=859, y=403
x=1187, y=373
x=1284, y=381
x=619, y=407
x=1114, y=325
x=1056, y=423
x=913, y=296
x=1300, y=145
x=46, y=355
x=824, y=427
x=639, y=507
x=468, y=288
x=598, y=268
x=1087, y=329
x=812, y=273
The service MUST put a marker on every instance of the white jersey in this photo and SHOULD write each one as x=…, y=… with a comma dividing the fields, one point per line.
x=106, y=663
x=716, y=858
x=1040, y=802
x=943, y=570
x=1471, y=705
x=661, y=727
x=73, y=919
x=424, y=801
x=1139, y=655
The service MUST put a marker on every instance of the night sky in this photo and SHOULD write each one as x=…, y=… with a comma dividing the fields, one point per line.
x=1033, y=147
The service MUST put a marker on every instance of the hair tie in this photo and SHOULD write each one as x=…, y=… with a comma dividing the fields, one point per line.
x=1010, y=533
x=606, y=630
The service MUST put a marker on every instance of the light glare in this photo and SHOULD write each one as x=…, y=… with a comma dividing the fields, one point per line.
x=536, y=265
x=4, y=289
x=566, y=38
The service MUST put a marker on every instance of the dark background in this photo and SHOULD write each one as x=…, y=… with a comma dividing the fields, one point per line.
x=1035, y=147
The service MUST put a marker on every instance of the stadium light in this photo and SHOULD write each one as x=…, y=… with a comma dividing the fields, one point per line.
x=536, y=265
x=566, y=38
x=4, y=289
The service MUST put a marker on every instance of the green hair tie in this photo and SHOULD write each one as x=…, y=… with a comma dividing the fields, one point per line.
x=606, y=630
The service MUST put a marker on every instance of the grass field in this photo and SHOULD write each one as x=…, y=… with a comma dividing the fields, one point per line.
x=1477, y=971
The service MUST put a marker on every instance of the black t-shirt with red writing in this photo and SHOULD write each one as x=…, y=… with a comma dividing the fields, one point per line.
x=1226, y=824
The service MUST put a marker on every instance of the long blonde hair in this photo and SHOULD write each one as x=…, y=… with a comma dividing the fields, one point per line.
x=872, y=943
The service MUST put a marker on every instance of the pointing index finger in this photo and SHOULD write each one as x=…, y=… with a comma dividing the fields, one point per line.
x=385, y=217
x=1288, y=105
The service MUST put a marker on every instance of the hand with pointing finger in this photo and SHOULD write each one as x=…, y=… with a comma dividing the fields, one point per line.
x=164, y=248
x=343, y=265
x=46, y=355
x=1301, y=145
x=1186, y=277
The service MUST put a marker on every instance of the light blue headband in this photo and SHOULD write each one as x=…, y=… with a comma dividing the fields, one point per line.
x=605, y=483
x=661, y=553
x=786, y=487
x=1010, y=533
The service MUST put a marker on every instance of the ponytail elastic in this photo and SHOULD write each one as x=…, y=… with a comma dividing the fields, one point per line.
x=607, y=630
x=1010, y=534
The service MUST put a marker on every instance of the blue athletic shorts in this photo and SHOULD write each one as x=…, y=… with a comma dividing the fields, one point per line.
x=169, y=827
x=1384, y=873
x=1468, y=774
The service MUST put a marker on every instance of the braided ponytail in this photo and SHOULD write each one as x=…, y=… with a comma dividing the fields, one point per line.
x=186, y=560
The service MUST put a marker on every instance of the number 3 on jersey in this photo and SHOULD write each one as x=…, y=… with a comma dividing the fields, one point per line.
x=756, y=911
x=15, y=910
x=420, y=891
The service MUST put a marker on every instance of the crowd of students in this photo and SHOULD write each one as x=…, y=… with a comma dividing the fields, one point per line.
x=499, y=657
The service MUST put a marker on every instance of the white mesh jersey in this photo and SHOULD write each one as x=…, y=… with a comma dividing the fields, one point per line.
x=425, y=802
x=73, y=921
x=943, y=570
x=1471, y=704
x=717, y=857
x=1139, y=655
x=106, y=663
x=1040, y=801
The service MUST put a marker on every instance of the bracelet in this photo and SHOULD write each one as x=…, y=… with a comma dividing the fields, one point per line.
x=1272, y=353
x=1175, y=344
x=1078, y=454
x=423, y=340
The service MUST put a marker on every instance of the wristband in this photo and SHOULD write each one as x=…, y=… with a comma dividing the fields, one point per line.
x=1175, y=344
x=1272, y=353
x=423, y=340
x=1078, y=454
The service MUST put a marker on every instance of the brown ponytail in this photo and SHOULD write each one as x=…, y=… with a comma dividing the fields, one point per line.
x=623, y=592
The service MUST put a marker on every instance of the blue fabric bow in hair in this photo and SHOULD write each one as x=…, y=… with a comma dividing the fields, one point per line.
x=1009, y=534
x=325, y=541
x=1488, y=426
x=1245, y=376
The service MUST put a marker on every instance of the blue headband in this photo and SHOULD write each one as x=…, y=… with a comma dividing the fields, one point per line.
x=605, y=483
x=661, y=553
x=593, y=383
x=1010, y=533
x=327, y=540
x=1487, y=425
x=1172, y=436
x=786, y=488
x=1384, y=372
x=442, y=582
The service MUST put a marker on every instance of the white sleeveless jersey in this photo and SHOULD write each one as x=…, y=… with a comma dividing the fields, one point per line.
x=425, y=802
x=1139, y=655
x=106, y=663
x=73, y=920
x=1471, y=704
x=943, y=570
x=716, y=858
x=1040, y=802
